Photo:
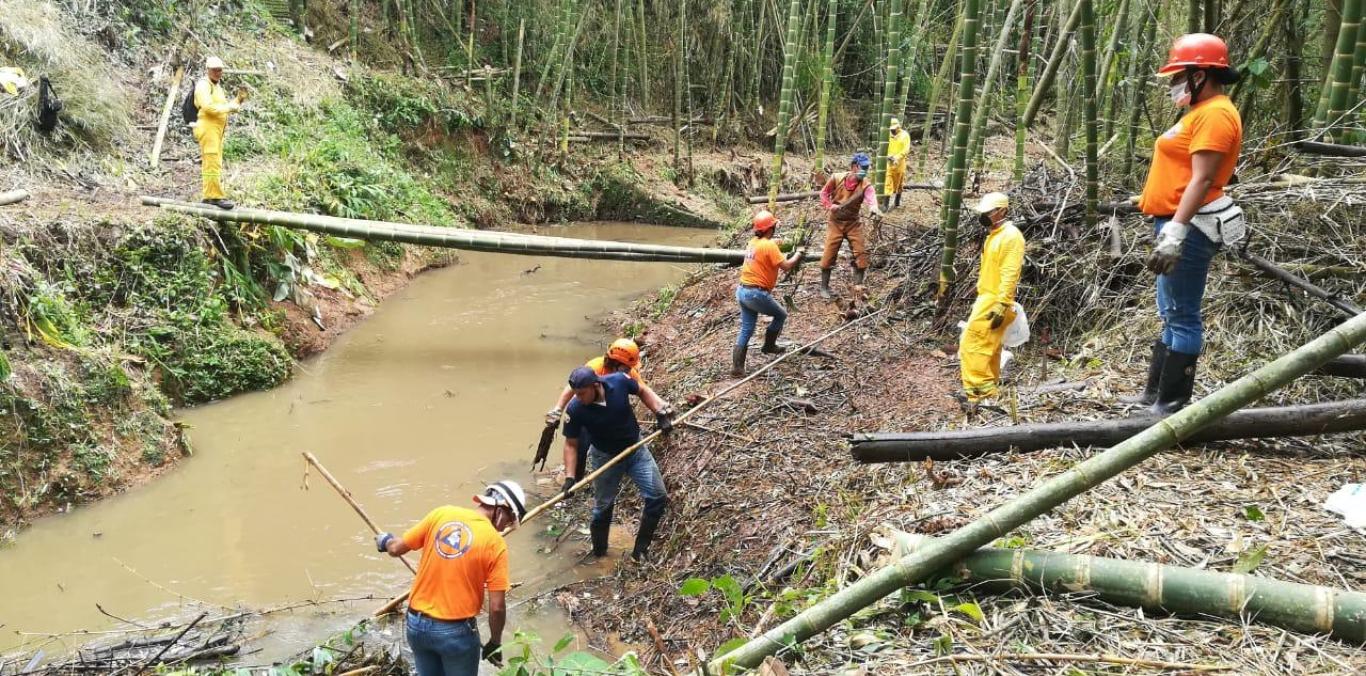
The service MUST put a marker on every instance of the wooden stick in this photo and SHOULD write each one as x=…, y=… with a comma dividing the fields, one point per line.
x=346, y=495
x=1069, y=657
x=588, y=480
x=1347, y=308
x=659, y=645
x=155, y=157
x=172, y=642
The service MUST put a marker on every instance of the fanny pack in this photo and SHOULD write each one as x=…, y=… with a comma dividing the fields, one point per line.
x=1222, y=222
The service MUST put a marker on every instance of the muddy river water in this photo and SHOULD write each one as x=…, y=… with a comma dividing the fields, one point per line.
x=439, y=392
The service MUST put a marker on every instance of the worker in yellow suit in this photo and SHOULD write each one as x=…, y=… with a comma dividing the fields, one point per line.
x=214, y=108
x=898, y=147
x=1002, y=258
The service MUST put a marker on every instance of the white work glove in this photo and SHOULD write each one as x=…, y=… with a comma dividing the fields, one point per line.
x=552, y=417
x=1168, y=248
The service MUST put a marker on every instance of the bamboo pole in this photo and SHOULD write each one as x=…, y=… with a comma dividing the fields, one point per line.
x=1346, y=307
x=1022, y=90
x=154, y=158
x=1091, y=112
x=920, y=19
x=794, y=20
x=1048, y=494
x=13, y=197
x=893, y=57
x=517, y=70
x=1050, y=71
x=1259, y=48
x=1193, y=16
x=1148, y=28
x=936, y=88
x=983, y=108
x=1309, y=609
x=350, y=500
x=1253, y=423
x=1333, y=100
x=827, y=83
x=953, y=192
x=678, y=420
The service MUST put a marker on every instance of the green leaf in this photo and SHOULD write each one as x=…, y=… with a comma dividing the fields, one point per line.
x=918, y=596
x=1249, y=560
x=582, y=662
x=731, y=645
x=943, y=645
x=1258, y=66
x=971, y=610
x=1253, y=513
x=563, y=642
x=694, y=586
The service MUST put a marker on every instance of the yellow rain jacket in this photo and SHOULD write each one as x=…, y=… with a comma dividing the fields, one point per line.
x=979, y=353
x=898, y=147
x=214, y=108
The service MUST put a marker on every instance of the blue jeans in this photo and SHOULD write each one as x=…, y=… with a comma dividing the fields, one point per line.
x=1180, y=292
x=442, y=648
x=755, y=302
x=644, y=473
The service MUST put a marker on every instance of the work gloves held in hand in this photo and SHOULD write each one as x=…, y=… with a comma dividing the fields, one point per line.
x=382, y=542
x=664, y=419
x=1168, y=249
x=569, y=482
x=493, y=652
x=553, y=416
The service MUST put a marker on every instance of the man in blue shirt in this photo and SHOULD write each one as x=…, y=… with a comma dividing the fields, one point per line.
x=602, y=408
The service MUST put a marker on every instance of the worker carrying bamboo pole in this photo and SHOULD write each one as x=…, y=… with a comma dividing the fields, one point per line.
x=212, y=108
x=758, y=276
x=602, y=408
x=463, y=556
x=843, y=197
x=979, y=349
x=623, y=356
x=898, y=147
x=1192, y=162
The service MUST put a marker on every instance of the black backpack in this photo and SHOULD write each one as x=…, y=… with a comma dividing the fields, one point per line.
x=188, y=109
x=48, y=105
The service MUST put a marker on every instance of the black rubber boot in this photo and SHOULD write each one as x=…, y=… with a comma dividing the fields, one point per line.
x=771, y=344
x=858, y=276
x=649, y=522
x=221, y=204
x=737, y=360
x=826, y=293
x=1176, y=384
x=897, y=203
x=1149, y=395
x=598, y=531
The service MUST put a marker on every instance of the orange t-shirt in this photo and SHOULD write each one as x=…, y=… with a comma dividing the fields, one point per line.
x=599, y=366
x=762, y=257
x=1213, y=124
x=462, y=555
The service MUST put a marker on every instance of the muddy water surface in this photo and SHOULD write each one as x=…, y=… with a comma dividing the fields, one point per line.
x=441, y=391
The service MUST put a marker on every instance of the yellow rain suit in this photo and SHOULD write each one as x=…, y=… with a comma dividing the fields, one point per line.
x=980, y=350
x=214, y=108
x=898, y=147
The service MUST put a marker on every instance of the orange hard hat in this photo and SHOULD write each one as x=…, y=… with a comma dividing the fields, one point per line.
x=765, y=221
x=625, y=351
x=1196, y=50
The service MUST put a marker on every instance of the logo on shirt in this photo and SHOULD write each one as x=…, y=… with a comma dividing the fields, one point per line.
x=1173, y=132
x=453, y=539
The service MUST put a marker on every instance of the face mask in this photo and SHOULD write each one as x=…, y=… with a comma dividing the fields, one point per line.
x=862, y=174
x=1180, y=95
x=985, y=221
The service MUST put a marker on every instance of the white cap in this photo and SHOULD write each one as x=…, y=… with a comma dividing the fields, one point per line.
x=214, y=62
x=991, y=202
x=506, y=493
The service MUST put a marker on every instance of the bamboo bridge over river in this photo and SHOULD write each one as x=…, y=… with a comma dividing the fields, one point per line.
x=460, y=238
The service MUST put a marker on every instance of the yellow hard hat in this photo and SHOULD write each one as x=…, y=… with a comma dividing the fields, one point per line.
x=213, y=63
x=991, y=202
x=896, y=124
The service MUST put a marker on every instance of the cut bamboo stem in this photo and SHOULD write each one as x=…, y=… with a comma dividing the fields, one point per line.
x=1253, y=423
x=346, y=495
x=1048, y=495
x=155, y=158
x=13, y=197
x=1310, y=609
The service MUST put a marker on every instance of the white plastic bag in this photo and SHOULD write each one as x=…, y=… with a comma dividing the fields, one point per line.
x=1350, y=502
x=1017, y=333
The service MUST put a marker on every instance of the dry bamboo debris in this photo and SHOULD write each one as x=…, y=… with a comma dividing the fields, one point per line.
x=13, y=197
x=1253, y=423
x=1330, y=149
x=1309, y=609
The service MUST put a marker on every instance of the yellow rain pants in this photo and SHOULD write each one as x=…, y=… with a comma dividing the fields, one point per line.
x=898, y=147
x=979, y=353
x=209, y=129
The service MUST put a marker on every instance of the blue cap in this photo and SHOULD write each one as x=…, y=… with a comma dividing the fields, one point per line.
x=582, y=377
x=861, y=159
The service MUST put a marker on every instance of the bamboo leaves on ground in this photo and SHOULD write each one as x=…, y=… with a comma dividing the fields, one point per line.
x=794, y=21
x=943, y=552
x=953, y=192
x=888, y=95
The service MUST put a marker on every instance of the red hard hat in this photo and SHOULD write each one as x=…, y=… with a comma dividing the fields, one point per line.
x=1196, y=50
x=765, y=221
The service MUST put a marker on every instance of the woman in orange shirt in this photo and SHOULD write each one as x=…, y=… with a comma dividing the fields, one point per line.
x=758, y=276
x=1184, y=193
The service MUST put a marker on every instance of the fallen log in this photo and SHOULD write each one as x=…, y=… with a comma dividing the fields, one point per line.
x=1252, y=423
x=1308, y=609
x=1344, y=306
x=1330, y=149
x=610, y=135
x=1346, y=366
x=13, y=197
x=661, y=119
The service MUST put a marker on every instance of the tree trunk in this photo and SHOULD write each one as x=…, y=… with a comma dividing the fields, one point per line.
x=1253, y=423
x=1022, y=90
x=1346, y=366
x=1341, y=73
x=827, y=83
x=888, y=96
x=1050, y=71
x=1292, y=101
x=953, y=192
x=794, y=20
x=1088, y=83
x=979, y=117
x=937, y=88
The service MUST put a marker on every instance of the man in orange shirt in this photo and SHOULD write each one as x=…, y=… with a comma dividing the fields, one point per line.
x=463, y=555
x=623, y=356
x=758, y=276
x=1192, y=162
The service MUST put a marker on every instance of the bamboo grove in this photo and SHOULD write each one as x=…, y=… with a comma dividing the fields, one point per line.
x=822, y=78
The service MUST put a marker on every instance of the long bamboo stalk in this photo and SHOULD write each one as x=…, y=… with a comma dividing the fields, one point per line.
x=937, y=88
x=643, y=54
x=1333, y=99
x=794, y=21
x=154, y=158
x=1089, y=95
x=888, y=95
x=920, y=17
x=1050, y=71
x=984, y=101
x=1358, y=73
x=1193, y=16
x=1110, y=55
x=827, y=83
x=678, y=66
x=1049, y=494
x=1022, y=89
x=1310, y=609
x=517, y=70
x=1259, y=48
x=1140, y=58
x=953, y=192
x=351, y=500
